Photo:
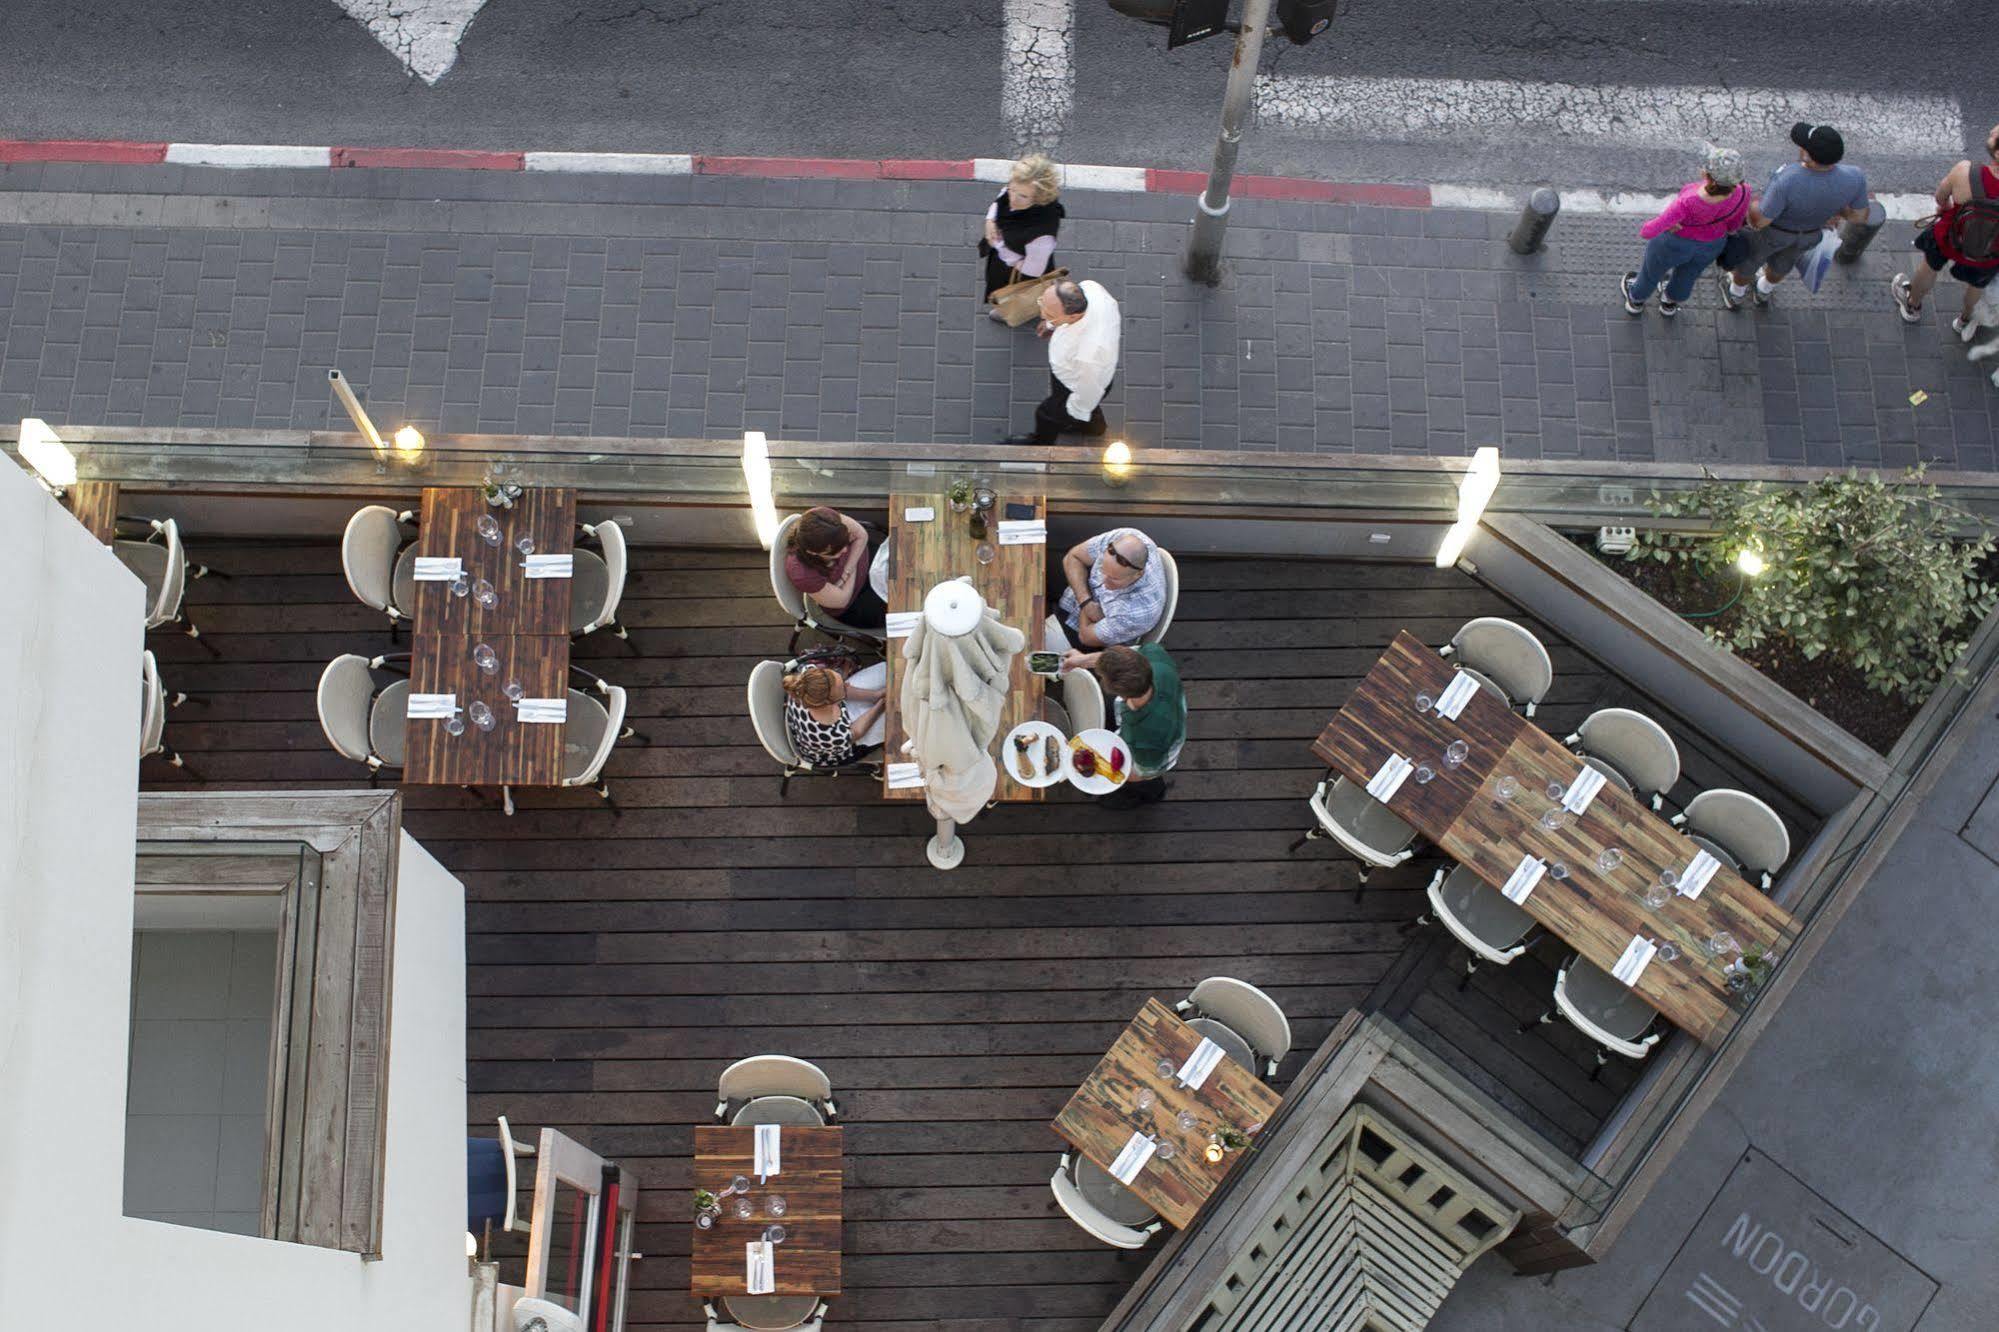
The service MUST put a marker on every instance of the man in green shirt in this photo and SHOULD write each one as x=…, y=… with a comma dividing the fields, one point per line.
x=1151, y=713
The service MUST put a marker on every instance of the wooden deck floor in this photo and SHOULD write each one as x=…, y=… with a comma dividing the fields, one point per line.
x=618, y=963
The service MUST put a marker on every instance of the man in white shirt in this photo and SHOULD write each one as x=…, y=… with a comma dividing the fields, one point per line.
x=1081, y=322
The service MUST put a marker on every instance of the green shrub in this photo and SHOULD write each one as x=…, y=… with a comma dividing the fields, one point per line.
x=1875, y=572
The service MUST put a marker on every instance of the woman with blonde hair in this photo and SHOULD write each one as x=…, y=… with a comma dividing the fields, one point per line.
x=834, y=719
x=1019, y=240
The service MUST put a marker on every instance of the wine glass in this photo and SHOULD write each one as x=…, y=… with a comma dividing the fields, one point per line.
x=1720, y=942
x=1608, y=859
x=461, y=585
x=489, y=529
x=1165, y=1068
x=986, y=552
x=744, y=1207
x=1668, y=951
x=1187, y=1120
x=454, y=725
x=1656, y=895
x=774, y=1205
x=1455, y=753
x=1506, y=788
x=739, y=1184
x=481, y=715
x=773, y=1234
x=1144, y=1100
x=1424, y=773
x=1164, y=1149
x=483, y=593
x=1424, y=702
x=1556, y=791
x=1554, y=819
x=1669, y=879
x=486, y=659
x=525, y=546
x=515, y=691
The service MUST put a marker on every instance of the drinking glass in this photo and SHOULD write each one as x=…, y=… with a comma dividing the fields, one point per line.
x=454, y=725
x=1736, y=976
x=525, y=545
x=1506, y=788
x=1165, y=1068
x=489, y=529
x=1721, y=941
x=1558, y=870
x=744, y=1207
x=460, y=585
x=773, y=1234
x=1656, y=895
x=516, y=691
x=481, y=715
x=1424, y=773
x=1556, y=791
x=1669, y=879
x=1187, y=1120
x=1455, y=753
x=1424, y=702
x=1144, y=1100
x=1554, y=818
x=1668, y=951
x=704, y=1221
x=986, y=553
x=486, y=659
x=1164, y=1149
x=774, y=1205
x=1608, y=859
x=483, y=593
x=739, y=1184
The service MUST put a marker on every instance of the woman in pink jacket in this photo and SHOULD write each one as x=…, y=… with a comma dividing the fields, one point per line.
x=1686, y=237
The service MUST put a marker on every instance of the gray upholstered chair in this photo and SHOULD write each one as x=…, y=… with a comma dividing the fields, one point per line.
x=1364, y=826
x=598, y=581
x=161, y=564
x=1132, y=1233
x=1082, y=706
x=379, y=559
x=1248, y=1012
x=766, y=702
x=1504, y=658
x=805, y=612
x=1604, y=1009
x=1631, y=748
x=774, y=1089
x=1171, y=568
x=590, y=730
x=1745, y=828
x=767, y=1313
x=153, y=704
x=1479, y=916
x=362, y=723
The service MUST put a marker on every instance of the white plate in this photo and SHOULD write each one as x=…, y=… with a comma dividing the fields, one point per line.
x=1040, y=730
x=1103, y=742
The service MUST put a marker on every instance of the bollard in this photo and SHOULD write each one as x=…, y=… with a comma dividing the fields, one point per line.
x=1854, y=236
x=1535, y=219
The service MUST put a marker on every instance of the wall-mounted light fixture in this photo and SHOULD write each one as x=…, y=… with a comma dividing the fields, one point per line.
x=1475, y=491
x=48, y=455
x=757, y=476
x=409, y=444
x=1117, y=463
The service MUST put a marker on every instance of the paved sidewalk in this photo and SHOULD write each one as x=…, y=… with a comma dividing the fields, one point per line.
x=845, y=310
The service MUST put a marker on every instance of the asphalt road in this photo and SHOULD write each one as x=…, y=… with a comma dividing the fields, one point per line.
x=1607, y=93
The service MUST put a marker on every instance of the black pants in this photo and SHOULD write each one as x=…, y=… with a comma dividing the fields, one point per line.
x=1051, y=417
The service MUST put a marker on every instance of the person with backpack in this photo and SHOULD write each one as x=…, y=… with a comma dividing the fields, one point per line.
x=1686, y=237
x=1964, y=234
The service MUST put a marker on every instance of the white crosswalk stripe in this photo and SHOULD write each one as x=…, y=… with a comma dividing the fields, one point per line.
x=1037, y=74
x=422, y=35
x=1658, y=116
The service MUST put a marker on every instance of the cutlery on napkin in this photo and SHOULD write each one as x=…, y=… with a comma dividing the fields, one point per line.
x=1521, y=882
x=1456, y=694
x=901, y=775
x=432, y=705
x=1583, y=790
x=1023, y=532
x=761, y=1264
x=1199, y=1064
x=550, y=566
x=767, y=1156
x=542, y=709
x=438, y=568
x=1694, y=878
x=918, y=513
x=1636, y=954
x=1386, y=782
x=1133, y=1158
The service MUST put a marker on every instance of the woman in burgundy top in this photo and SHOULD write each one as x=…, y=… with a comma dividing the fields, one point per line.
x=827, y=557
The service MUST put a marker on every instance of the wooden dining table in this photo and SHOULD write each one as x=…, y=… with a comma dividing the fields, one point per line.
x=1101, y=1117
x=925, y=553
x=527, y=627
x=1595, y=911
x=809, y=1178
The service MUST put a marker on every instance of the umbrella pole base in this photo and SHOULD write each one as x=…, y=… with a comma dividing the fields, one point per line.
x=946, y=850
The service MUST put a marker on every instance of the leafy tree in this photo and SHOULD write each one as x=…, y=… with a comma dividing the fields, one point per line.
x=1878, y=573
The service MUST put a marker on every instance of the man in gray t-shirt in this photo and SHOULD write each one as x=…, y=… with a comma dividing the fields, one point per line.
x=1804, y=198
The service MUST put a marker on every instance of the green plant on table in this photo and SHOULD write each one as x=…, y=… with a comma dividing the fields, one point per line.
x=960, y=492
x=1232, y=1139
x=704, y=1201
x=1882, y=574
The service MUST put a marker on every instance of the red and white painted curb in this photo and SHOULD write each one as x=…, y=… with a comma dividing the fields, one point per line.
x=1122, y=179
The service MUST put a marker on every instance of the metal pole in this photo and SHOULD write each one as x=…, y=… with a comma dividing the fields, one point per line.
x=1535, y=219
x=1211, y=216
x=946, y=850
x=355, y=410
x=1854, y=236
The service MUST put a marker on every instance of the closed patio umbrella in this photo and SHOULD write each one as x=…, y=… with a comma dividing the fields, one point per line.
x=957, y=672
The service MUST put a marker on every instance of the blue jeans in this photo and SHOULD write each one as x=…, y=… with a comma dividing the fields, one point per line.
x=1683, y=259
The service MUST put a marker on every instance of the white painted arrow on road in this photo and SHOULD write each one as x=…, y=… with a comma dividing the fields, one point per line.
x=421, y=34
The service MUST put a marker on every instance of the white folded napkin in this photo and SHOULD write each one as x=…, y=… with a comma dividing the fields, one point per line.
x=1385, y=783
x=1132, y=1159
x=1583, y=790
x=1632, y=965
x=438, y=568
x=918, y=513
x=767, y=1156
x=543, y=709
x=903, y=623
x=760, y=1267
x=550, y=566
x=1199, y=1064
x=901, y=775
x=1456, y=694
x=432, y=705
x=1023, y=532
x=1694, y=878
x=1523, y=879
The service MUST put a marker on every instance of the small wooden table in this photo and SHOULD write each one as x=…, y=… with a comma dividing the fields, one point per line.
x=809, y=1179
x=1099, y=1119
x=922, y=555
x=527, y=605
x=1593, y=912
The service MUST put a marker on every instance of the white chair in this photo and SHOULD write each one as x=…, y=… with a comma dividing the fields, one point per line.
x=1082, y=706
x=590, y=731
x=1361, y=824
x=153, y=704
x=806, y=613
x=1504, y=658
x=161, y=564
x=767, y=1313
x=1478, y=916
x=1171, y=568
x=362, y=723
x=774, y=1085
x=599, y=582
x=1604, y=1009
x=766, y=703
x=380, y=562
x=1745, y=829
x=1246, y=1011
x=1087, y=1215
x=1632, y=746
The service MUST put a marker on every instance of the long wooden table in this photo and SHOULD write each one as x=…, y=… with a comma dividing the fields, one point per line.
x=808, y=1179
x=1595, y=913
x=922, y=555
x=1101, y=1117
x=527, y=628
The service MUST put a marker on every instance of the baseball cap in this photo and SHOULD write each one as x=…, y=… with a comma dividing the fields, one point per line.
x=1723, y=165
x=1820, y=142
